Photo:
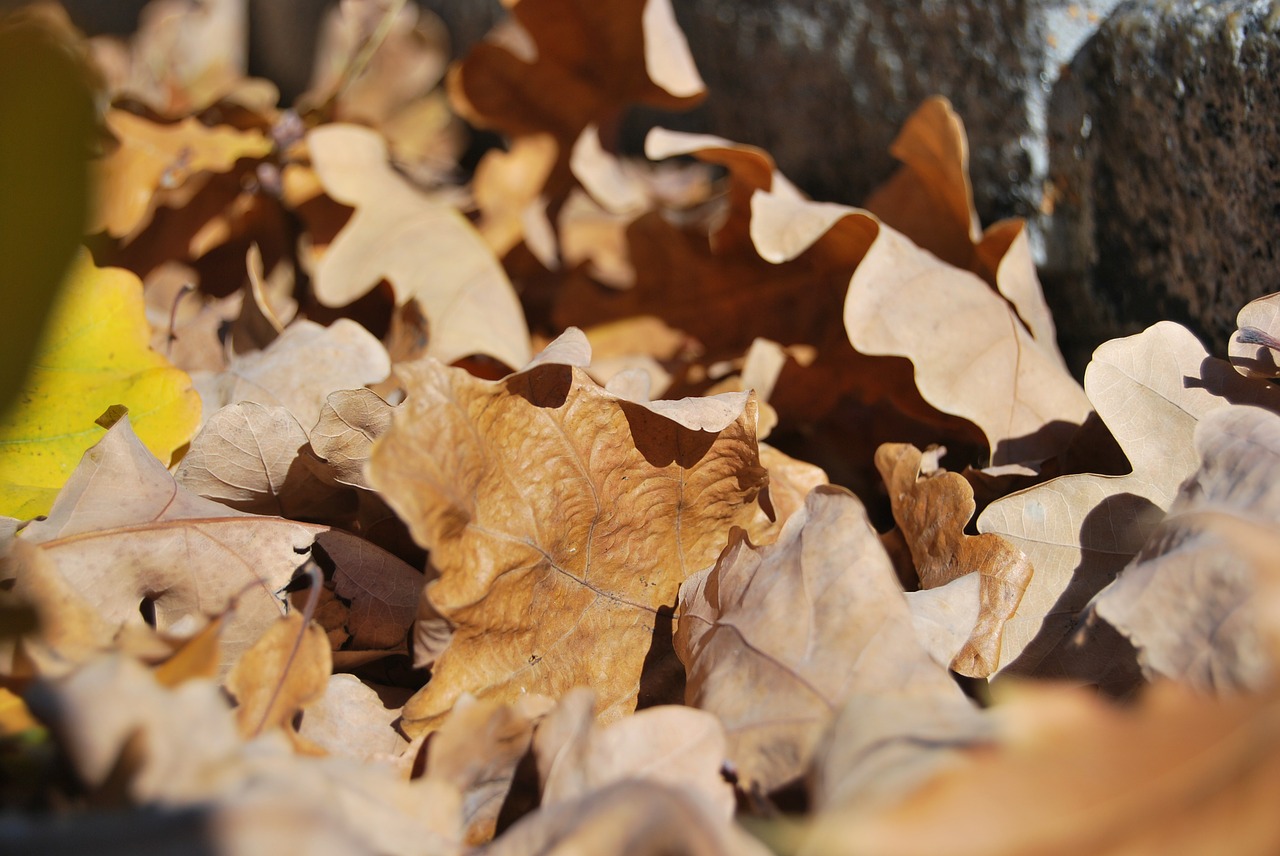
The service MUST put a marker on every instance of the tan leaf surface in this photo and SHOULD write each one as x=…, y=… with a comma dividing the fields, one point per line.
x=382, y=590
x=507, y=187
x=1176, y=774
x=973, y=357
x=633, y=817
x=350, y=421
x=128, y=538
x=279, y=675
x=932, y=510
x=1255, y=347
x=1079, y=530
x=1187, y=601
x=425, y=248
x=566, y=64
x=153, y=156
x=477, y=750
x=677, y=746
x=299, y=370
x=561, y=518
x=351, y=720
x=776, y=638
x=247, y=457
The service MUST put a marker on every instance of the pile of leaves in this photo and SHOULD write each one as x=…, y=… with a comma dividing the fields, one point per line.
x=371, y=491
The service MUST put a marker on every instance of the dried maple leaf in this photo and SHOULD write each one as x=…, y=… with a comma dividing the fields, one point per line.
x=561, y=519
x=972, y=354
x=1255, y=347
x=1175, y=774
x=932, y=510
x=1080, y=530
x=1188, y=600
x=425, y=248
x=776, y=638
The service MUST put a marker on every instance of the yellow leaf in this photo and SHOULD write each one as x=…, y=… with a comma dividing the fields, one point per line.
x=93, y=354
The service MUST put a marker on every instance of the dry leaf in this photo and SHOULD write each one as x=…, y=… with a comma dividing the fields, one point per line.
x=1187, y=601
x=561, y=520
x=1255, y=347
x=299, y=370
x=343, y=436
x=973, y=356
x=1070, y=774
x=672, y=745
x=1078, y=531
x=425, y=248
x=477, y=750
x=932, y=510
x=279, y=675
x=351, y=720
x=630, y=818
x=776, y=638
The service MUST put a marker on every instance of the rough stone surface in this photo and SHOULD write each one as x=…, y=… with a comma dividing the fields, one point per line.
x=1166, y=158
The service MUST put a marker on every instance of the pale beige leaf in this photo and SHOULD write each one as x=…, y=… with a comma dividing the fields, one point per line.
x=1187, y=601
x=279, y=675
x=426, y=249
x=1255, y=347
x=1080, y=530
x=351, y=720
x=680, y=747
x=299, y=370
x=349, y=422
x=775, y=639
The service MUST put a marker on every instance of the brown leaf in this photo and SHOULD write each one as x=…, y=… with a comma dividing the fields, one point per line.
x=351, y=720
x=247, y=457
x=1255, y=347
x=477, y=750
x=932, y=510
x=507, y=187
x=672, y=745
x=350, y=421
x=382, y=590
x=776, y=638
x=1177, y=774
x=299, y=370
x=561, y=65
x=561, y=519
x=283, y=672
x=628, y=818
x=973, y=356
x=1188, y=600
x=425, y=248
x=1078, y=531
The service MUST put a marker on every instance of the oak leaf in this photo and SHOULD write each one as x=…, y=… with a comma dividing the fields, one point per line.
x=93, y=354
x=561, y=520
x=932, y=509
x=425, y=248
x=1188, y=600
x=1079, y=530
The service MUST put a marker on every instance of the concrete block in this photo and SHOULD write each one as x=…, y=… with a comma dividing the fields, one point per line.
x=1165, y=158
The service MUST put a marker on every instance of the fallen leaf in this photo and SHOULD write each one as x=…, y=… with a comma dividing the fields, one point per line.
x=299, y=370
x=1255, y=347
x=775, y=638
x=561, y=514
x=1078, y=531
x=343, y=437
x=152, y=156
x=676, y=746
x=383, y=591
x=247, y=457
x=973, y=356
x=478, y=749
x=507, y=188
x=633, y=818
x=565, y=64
x=932, y=510
x=425, y=248
x=351, y=720
x=1186, y=601
x=279, y=675
x=92, y=355
x=1174, y=774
